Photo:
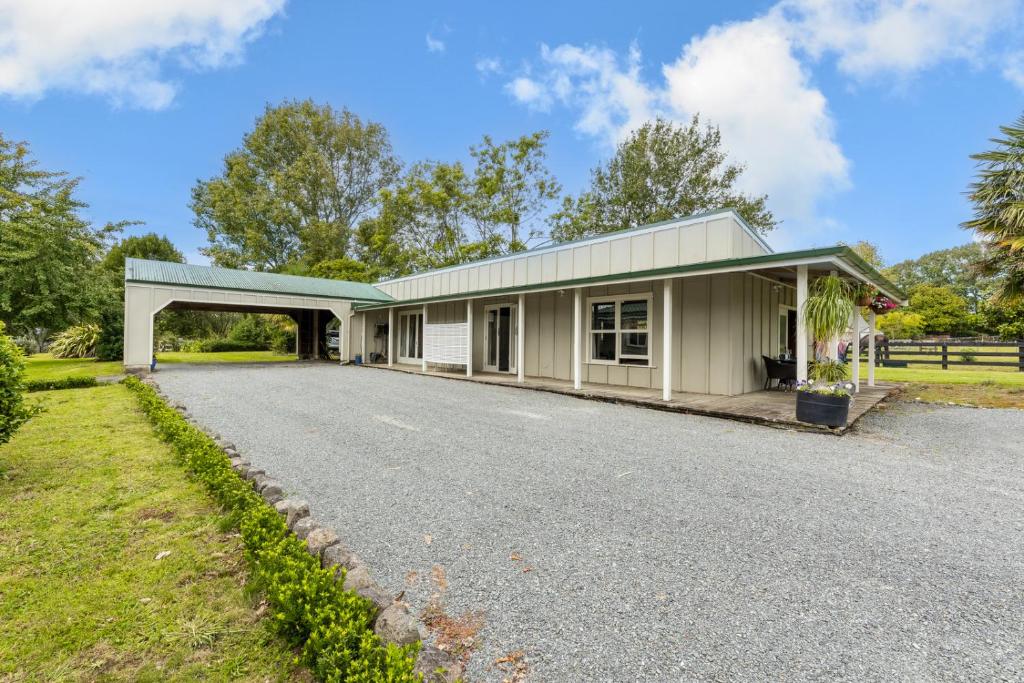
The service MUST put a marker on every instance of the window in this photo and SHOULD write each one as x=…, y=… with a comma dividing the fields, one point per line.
x=619, y=330
x=410, y=339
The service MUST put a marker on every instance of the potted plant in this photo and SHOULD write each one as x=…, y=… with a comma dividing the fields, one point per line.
x=823, y=404
x=882, y=304
x=828, y=307
x=864, y=295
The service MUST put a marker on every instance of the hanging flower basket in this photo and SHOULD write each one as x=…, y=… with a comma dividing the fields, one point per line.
x=882, y=304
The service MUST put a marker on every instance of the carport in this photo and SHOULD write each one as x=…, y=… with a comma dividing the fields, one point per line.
x=152, y=286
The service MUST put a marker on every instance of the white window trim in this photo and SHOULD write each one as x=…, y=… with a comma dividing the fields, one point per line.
x=617, y=299
x=783, y=309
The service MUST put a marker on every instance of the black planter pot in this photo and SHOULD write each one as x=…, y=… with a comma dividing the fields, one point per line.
x=821, y=409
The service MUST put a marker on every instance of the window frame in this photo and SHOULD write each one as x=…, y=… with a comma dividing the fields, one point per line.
x=618, y=330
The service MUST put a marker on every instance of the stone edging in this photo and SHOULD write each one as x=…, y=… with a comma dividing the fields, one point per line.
x=393, y=622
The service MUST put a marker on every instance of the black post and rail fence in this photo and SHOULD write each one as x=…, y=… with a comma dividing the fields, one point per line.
x=951, y=352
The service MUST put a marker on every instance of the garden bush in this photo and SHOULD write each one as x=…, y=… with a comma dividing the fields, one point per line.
x=254, y=330
x=221, y=345
x=76, y=342
x=110, y=345
x=331, y=626
x=14, y=412
x=283, y=341
x=73, y=382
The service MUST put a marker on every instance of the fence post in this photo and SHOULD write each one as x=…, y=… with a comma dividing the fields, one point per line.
x=945, y=357
x=1020, y=355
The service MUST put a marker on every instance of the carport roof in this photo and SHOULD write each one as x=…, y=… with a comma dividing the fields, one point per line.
x=207, y=277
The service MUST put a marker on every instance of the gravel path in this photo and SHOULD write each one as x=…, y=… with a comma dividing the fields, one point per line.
x=661, y=547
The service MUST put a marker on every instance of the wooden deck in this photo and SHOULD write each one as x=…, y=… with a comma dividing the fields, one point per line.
x=772, y=408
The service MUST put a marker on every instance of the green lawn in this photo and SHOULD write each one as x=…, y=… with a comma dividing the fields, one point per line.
x=43, y=366
x=928, y=374
x=91, y=500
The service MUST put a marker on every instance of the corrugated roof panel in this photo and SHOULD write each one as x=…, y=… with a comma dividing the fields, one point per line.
x=187, y=275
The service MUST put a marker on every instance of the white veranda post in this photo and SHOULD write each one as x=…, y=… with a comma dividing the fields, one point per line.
x=577, y=339
x=391, y=337
x=871, y=349
x=666, y=343
x=853, y=353
x=521, y=339
x=469, y=338
x=801, y=324
x=423, y=363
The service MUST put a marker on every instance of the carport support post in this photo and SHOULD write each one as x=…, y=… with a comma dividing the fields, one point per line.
x=469, y=337
x=391, y=336
x=801, y=324
x=423, y=342
x=666, y=343
x=521, y=339
x=577, y=339
x=853, y=353
x=871, y=349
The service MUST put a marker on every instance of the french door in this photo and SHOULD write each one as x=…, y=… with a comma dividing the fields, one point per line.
x=410, y=337
x=500, y=323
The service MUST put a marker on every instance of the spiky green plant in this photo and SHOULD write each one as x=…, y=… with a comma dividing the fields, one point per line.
x=998, y=198
x=76, y=342
x=828, y=371
x=828, y=307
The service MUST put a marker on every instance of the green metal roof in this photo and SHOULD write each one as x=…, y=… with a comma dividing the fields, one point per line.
x=841, y=251
x=207, y=277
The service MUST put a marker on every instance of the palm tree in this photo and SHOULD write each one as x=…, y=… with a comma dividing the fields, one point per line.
x=998, y=197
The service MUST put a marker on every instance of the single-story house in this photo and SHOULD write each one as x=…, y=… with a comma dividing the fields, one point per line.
x=686, y=305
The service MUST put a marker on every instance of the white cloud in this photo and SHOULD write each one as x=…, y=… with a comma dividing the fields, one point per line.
x=896, y=37
x=487, y=66
x=752, y=79
x=116, y=48
x=434, y=44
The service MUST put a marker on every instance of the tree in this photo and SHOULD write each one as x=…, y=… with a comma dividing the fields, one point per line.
x=902, y=325
x=345, y=269
x=944, y=311
x=14, y=412
x=47, y=251
x=149, y=246
x=296, y=189
x=998, y=197
x=511, y=186
x=956, y=268
x=869, y=252
x=662, y=170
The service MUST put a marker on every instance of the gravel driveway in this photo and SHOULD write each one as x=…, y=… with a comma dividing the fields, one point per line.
x=660, y=547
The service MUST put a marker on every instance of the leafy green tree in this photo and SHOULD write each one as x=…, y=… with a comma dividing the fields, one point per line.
x=869, y=252
x=944, y=311
x=511, y=187
x=900, y=324
x=296, y=189
x=149, y=246
x=344, y=269
x=14, y=412
x=662, y=170
x=998, y=197
x=956, y=268
x=47, y=250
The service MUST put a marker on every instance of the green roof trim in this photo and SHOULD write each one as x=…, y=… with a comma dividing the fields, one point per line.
x=843, y=252
x=208, y=277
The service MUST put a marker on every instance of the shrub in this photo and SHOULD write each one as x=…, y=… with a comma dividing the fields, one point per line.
x=1011, y=331
x=110, y=345
x=902, y=325
x=14, y=412
x=73, y=382
x=333, y=627
x=253, y=330
x=283, y=341
x=221, y=345
x=76, y=342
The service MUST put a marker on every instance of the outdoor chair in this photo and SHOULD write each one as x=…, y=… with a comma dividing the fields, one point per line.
x=784, y=372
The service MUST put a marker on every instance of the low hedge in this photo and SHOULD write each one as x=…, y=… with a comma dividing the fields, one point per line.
x=73, y=382
x=220, y=345
x=333, y=627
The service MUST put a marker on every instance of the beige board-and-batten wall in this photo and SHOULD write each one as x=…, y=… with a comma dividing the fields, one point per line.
x=694, y=240
x=723, y=325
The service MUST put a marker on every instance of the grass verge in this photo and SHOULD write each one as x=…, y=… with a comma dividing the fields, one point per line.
x=224, y=357
x=45, y=368
x=91, y=499
x=332, y=626
x=980, y=395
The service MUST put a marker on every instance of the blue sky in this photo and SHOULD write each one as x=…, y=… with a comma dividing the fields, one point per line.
x=856, y=118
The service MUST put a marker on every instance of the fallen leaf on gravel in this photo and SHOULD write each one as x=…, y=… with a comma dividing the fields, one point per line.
x=527, y=569
x=438, y=577
x=428, y=539
x=162, y=554
x=515, y=557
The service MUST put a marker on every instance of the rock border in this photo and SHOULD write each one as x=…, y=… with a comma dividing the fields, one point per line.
x=393, y=622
